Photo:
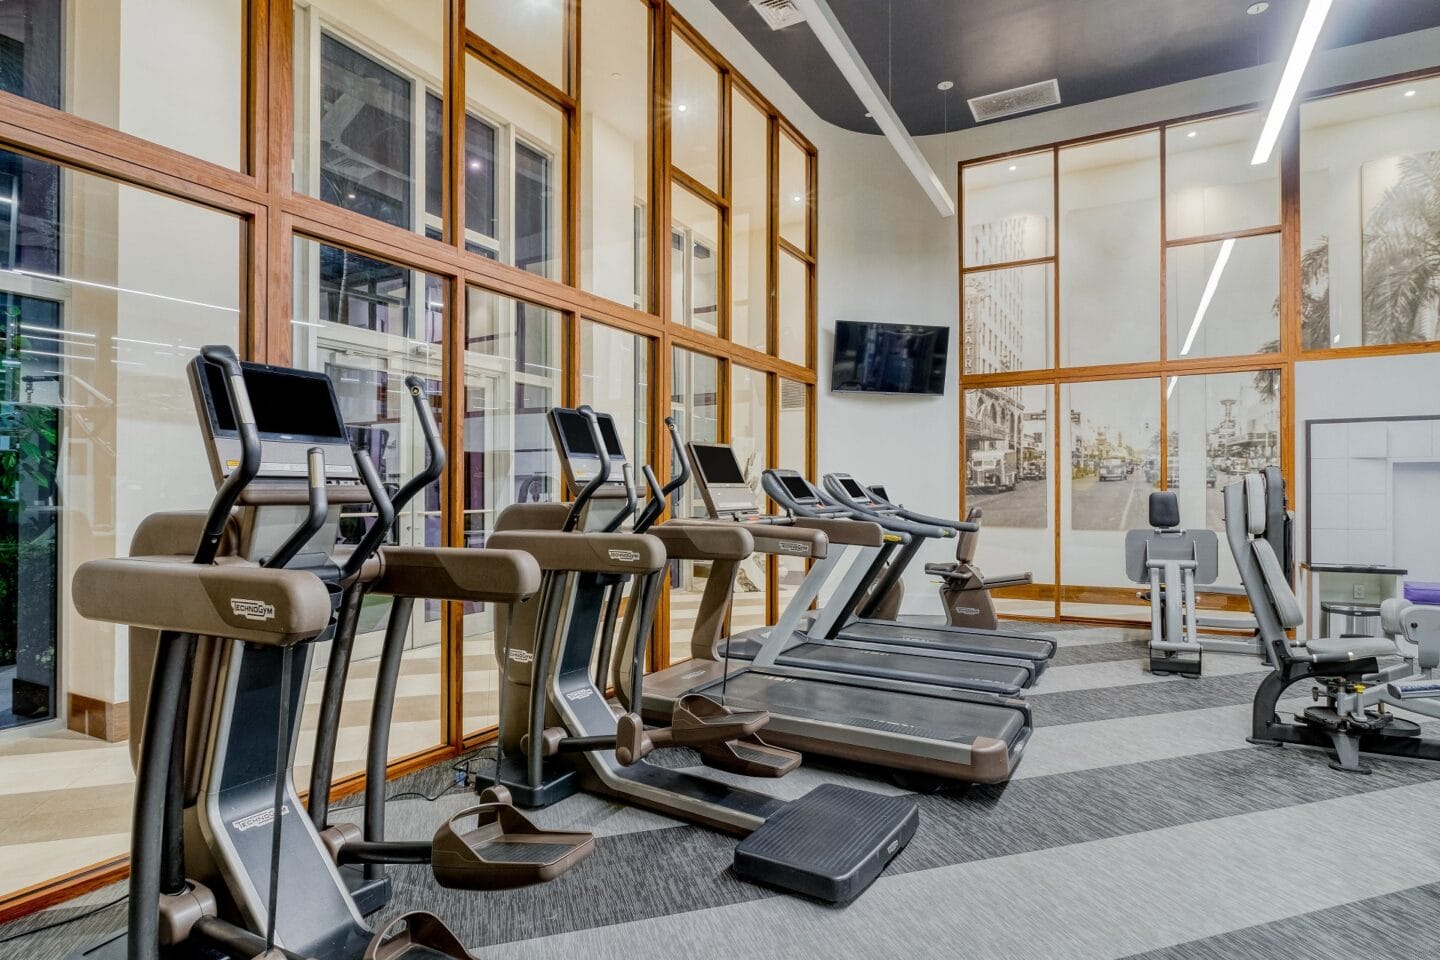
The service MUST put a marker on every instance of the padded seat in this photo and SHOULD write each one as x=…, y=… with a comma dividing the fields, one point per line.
x=1343, y=649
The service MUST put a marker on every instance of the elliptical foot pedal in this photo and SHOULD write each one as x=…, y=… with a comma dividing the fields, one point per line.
x=501, y=849
x=697, y=720
x=749, y=757
x=830, y=844
x=417, y=936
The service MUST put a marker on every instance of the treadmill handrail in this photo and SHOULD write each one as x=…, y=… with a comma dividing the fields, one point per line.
x=930, y=530
x=884, y=507
x=248, y=468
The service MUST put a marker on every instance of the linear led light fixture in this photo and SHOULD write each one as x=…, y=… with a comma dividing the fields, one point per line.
x=1305, y=38
x=836, y=43
x=1226, y=249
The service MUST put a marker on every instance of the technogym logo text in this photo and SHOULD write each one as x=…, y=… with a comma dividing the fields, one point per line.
x=801, y=548
x=624, y=556
x=258, y=819
x=252, y=609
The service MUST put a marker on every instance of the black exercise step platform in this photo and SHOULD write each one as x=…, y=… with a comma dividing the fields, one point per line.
x=830, y=844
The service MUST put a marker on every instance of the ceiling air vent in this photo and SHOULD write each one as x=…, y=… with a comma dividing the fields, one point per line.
x=1019, y=100
x=778, y=14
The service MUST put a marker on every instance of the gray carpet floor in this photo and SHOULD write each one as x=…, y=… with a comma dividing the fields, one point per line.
x=1139, y=824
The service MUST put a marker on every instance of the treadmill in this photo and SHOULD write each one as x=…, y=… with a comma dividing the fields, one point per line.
x=948, y=732
x=874, y=572
x=800, y=641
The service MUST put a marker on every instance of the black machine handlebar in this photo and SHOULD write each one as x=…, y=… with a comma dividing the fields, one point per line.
x=389, y=508
x=314, y=519
x=659, y=494
x=627, y=474
x=249, y=467
x=572, y=519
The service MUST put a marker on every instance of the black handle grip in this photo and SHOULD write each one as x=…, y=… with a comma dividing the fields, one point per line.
x=229, y=493
x=572, y=519
x=656, y=506
x=627, y=473
x=677, y=443
x=434, y=446
x=314, y=519
x=385, y=519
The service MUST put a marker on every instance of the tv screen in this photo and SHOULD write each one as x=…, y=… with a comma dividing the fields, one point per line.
x=889, y=358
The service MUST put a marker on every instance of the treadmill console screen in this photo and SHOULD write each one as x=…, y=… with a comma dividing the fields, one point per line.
x=797, y=487
x=289, y=405
x=717, y=463
x=854, y=489
x=879, y=492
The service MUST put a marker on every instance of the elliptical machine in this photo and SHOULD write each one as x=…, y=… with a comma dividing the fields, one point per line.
x=222, y=864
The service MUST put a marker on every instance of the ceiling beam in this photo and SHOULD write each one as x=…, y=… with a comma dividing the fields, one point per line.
x=837, y=43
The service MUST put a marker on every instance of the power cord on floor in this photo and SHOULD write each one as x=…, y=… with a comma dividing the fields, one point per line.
x=464, y=776
x=68, y=920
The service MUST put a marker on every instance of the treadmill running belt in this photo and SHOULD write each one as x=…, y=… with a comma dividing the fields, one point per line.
x=933, y=718
x=993, y=644
x=1004, y=679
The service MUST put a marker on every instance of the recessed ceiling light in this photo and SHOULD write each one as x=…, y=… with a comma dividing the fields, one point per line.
x=1257, y=8
x=349, y=196
x=474, y=164
x=797, y=198
x=1409, y=93
x=1014, y=166
x=681, y=107
x=1192, y=134
x=945, y=85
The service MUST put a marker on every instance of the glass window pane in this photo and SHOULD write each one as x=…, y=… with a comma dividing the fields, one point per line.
x=1210, y=186
x=1111, y=434
x=482, y=226
x=615, y=151
x=795, y=196
x=1009, y=319
x=1110, y=251
x=370, y=324
x=106, y=293
x=695, y=405
x=694, y=114
x=529, y=166
x=1007, y=477
x=531, y=31
x=367, y=110
x=1224, y=297
x=1370, y=171
x=513, y=377
x=749, y=416
x=176, y=80
x=794, y=438
x=794, y=299
x=615, y=379
x=1222, y=426
x=749, y=222
x=1009, y=209
x=694, y=261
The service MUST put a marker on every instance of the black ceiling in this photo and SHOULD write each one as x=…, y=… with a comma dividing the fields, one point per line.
x=1096, y=48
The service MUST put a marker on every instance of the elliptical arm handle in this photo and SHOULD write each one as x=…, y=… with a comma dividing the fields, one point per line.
x=389, y=507
x=385, y=517
x=677, y=443
x=229, y=493
x=314, y=520
x=631, y=499
x=656, y=506
x=572, y=519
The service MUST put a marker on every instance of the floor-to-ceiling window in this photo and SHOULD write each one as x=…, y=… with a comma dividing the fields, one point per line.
x=491, y=196
x=1128, y=325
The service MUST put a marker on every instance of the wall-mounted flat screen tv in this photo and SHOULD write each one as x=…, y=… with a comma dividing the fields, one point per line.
x=889, y=358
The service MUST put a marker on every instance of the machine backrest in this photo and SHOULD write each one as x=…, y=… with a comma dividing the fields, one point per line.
x=1250, y=514
x=1164, y=510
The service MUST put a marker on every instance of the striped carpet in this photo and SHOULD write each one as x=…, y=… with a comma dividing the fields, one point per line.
x=1140, y=824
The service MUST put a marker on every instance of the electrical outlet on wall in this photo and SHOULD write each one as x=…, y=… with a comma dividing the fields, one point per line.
x=1359, y=591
